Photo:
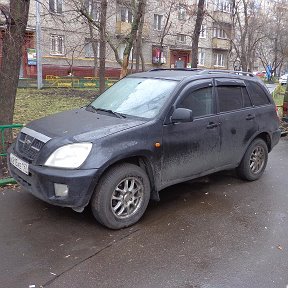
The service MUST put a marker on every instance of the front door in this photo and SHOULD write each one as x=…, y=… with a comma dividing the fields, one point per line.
x=191, y=148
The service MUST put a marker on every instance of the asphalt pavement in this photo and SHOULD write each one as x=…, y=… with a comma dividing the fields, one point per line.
x=218, y=232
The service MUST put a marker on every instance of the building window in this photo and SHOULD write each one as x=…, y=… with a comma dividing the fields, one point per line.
x=93, y=8
x=223, y=6
x=203, y=31
x=219, y=32
x=57, y=45
x=219, y=59
x=88, y=48
x=181, y=38
x=182, y=12
x=55, y=6
x=201, y=57
x=158, y=22
x=126, y=15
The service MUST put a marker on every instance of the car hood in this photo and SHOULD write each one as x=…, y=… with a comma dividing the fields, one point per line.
x=81, y=125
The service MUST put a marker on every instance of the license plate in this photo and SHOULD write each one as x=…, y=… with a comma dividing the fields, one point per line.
x=19, y=164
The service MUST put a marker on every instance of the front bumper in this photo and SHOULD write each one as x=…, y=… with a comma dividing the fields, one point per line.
x=40, y=183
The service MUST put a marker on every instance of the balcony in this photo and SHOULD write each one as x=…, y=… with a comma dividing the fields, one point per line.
x=124, y=28
x=220, y=16
x=221, y=44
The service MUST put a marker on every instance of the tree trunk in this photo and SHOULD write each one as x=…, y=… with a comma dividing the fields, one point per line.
x=142, y=61
x=125, y=63
x=132, y=36
x=13, y=41
x=94, y=48
x=244, y=65
x=196, y=33
x=139, y=45
x=102, y=51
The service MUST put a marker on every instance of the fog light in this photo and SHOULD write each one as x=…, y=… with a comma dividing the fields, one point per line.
x=61, y=190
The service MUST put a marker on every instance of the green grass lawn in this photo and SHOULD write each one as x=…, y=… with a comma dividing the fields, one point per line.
x=32, y=104
x=278, y=95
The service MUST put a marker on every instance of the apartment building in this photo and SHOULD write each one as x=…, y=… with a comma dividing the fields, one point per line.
x=69, y=44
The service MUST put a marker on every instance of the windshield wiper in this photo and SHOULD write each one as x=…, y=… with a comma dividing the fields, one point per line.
x=119, y=115
x=91, y=108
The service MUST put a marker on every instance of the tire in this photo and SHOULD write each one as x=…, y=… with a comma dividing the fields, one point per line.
x=254, y=161
x=121, y=196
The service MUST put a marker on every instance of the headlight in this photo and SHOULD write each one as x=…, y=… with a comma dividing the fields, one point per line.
x=70, y=156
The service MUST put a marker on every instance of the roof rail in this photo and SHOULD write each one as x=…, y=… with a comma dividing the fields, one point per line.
x=175, y=69
x=211, y=71
x=205, y=71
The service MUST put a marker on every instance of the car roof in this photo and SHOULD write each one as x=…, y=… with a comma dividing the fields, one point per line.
x=181, y=74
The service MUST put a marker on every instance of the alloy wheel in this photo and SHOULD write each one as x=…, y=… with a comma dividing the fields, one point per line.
x=257, y=159
x=127, y=197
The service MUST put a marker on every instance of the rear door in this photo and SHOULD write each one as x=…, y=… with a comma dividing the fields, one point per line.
x=191, y=148
x=265, y=110
x=237, y=119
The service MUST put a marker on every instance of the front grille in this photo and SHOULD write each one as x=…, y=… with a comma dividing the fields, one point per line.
x=29, y=146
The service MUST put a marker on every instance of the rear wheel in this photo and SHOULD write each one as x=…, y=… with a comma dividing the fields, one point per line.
x=121, y=196
x=254, y=161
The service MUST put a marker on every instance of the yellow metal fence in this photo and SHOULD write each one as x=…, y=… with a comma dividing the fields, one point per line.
x=52, y=81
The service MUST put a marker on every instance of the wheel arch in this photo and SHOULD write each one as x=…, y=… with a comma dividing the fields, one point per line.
x=140, y=161
x=265, y=137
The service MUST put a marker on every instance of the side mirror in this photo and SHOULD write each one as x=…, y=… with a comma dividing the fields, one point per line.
x=182, y=115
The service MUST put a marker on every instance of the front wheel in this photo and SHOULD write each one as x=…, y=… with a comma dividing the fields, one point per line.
x=254, y=161
x=121, y=196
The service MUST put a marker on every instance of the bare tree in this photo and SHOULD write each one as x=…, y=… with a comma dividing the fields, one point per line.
x=102, y=28
x=15, y=21
x=94, y=47
x=273, y=50
x=196, y=33
x=248, y=27
x=72, y=51
x=167, y=24
x=139, y=9
x=138, y=47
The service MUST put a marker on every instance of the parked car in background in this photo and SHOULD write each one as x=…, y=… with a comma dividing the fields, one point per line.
x=148, y=131
x=283, y=79
x=260, y=74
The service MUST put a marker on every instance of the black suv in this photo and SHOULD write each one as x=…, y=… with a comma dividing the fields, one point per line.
x=148, y=131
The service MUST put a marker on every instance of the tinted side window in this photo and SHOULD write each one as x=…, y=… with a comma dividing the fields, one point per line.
x=257, y=94
x=199, y=101
x=246, y=99
x=229, y=97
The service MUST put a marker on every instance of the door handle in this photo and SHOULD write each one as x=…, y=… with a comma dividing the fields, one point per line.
x=250, y=117
x=212, y=125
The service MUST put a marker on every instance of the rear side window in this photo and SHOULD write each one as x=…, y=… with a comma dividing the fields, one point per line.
x=258, y=96
x=232, y=98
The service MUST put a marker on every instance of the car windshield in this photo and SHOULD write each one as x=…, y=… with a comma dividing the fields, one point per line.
x=140, y=97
